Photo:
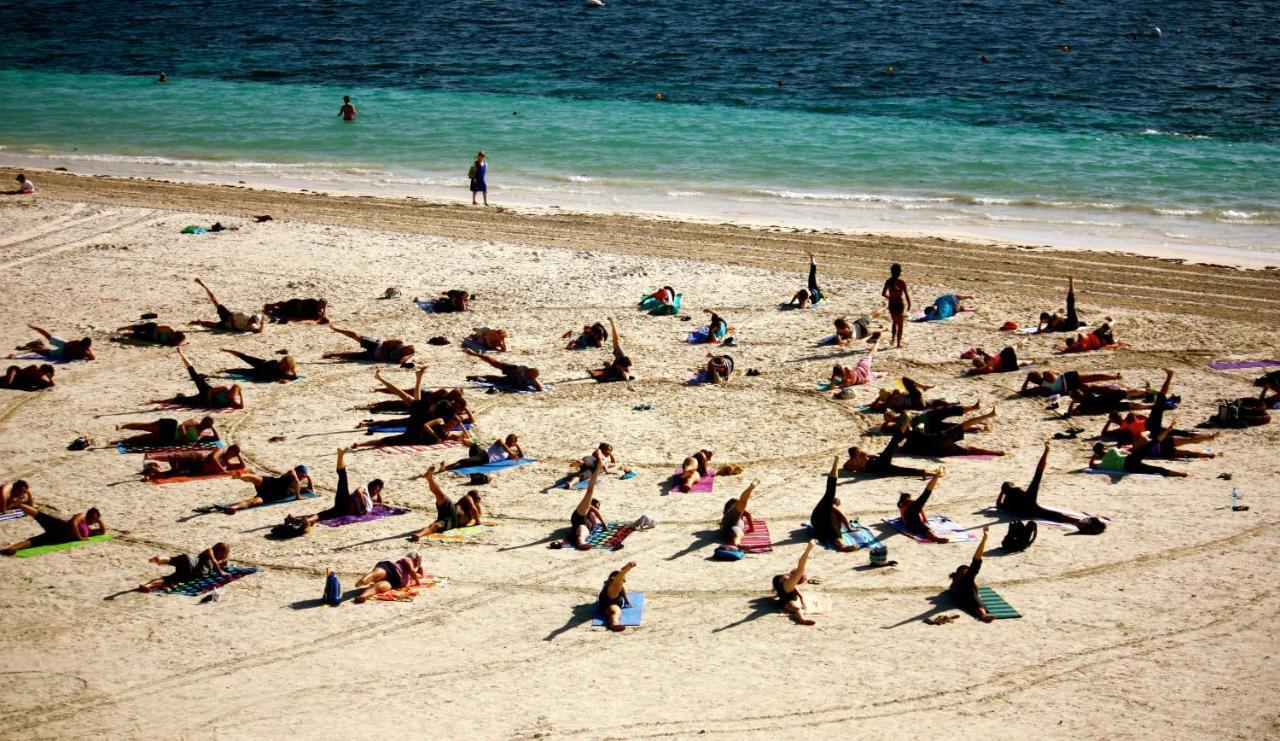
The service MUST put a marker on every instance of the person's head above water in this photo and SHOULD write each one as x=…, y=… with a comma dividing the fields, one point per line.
x=346, y=99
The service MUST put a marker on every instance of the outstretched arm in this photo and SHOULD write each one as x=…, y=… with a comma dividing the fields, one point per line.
x=615, y=584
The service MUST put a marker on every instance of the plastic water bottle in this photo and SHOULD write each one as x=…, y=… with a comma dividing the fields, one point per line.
x=332, y=589
x=1235, y=498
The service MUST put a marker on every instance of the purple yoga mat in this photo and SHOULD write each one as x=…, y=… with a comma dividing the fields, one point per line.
x=706, y=483
x=379, y=511
x=1237, y=364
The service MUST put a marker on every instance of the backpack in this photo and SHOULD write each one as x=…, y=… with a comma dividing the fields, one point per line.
x=288, y=529
x=1091, y=526
x=1228, y=413
x=1020, y=536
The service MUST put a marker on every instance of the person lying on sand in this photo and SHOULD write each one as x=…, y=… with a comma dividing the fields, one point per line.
x=592, y=336
x=373, y=350
x=185, y=463
x=735, y=513
x=718, y=369
x=911, y=510
x=1023, y=503
x=618, y=369
x=11, y=495
x=432, y=419
x=586, y=516
x=1005, y=362
x=827, y=521
x=909, y=397
x=27, y=378
x=786, y=587
x=505, y=449
x=660, y=302
x=212, y=561
x=206, y=396
x=717, y=328
x=1116, y=461
x=601, y=459
x=453, y=301
x=57, y=530
x=345, y=502
x=157, y=334
x=271, y=489
x=1099, y=338
x=1055, y=322
x=844, y=376
x=513, y=376
x=1104, y=399
x=1054, y=383
x=964, y=589
x=488, y=339
x=446, y=510
x=613, y=597
x=58, y=348
x=812, y=294
x=860, y=328
x=228, y=320
x=931, y=436
x=387, y=576
x=298, y=310
x=169, y=431
x=694, y=469
x=945, y=307
x=882, y=464
x=469, y=509
x=279, y=370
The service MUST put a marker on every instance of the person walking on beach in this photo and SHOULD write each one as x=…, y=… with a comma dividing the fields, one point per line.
x=895, y=292
x=347, y=111
x=476, y=174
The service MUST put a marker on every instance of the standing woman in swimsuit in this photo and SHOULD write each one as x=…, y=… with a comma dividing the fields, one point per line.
x=786, y=587
x=963, y=587
x=613, y=597
x=479, y=169
x=386, y=576
x=899, y=298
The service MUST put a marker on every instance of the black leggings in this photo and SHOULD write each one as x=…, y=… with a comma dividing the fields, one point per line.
x=911, y=516
x=203, y=390
x=882, y=465
x=341, y=500
x=1135, y=461
x=815, y=294
x=1073, y=320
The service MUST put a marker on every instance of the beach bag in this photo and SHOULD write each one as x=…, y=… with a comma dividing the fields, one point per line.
x=727, y=553
x=332, y=590
x=1020, y=536
x=1228, y=413
x=1092, y=526
x=471, y=173
x=288, y=530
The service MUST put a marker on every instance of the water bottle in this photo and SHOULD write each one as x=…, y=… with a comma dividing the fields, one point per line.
x=332, y=589
x=1235, y=499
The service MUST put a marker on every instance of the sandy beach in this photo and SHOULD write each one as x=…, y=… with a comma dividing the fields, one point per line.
x=1164, y=624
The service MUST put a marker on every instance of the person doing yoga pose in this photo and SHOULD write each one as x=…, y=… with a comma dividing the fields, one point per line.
x=57, y=530
x=694, y=469
x=586, y=516
x=345, y=502
x=271, y=489
x=505, y=449
x=882, y=464
x=212, y=561
x=860, y=328
x=661, y=302
x=1055, y=322
x=1090, y=341
x=1114, y=460
x=945, y=307
x=429, y=422
x=1024, y=505
x=909, y=397
x=1051, y=383
x=899, y=299
x=280, y=370
x=613, y=597
x=516, y=377
x=718, y=369
x=192, y=463
x=786, y=587
x=735, y=513
x=855, y=375
x=601, y=459
x=228, y=320
x=209, y=397
x=717, y=327
x=827, y=521
x=158, y=334
x=387, y=576
x=487, y=339
x=812, y=294
x=1005, y=362
x=1270, y=385
x=930, y=435
x=373, y=350
x=912, y=511
x=167, y=431
x=592, y=336
x=446, y=510
x=58, y=348
x=618, y=369
x=964, y=589
x=298, y=310
x=29, y=378
x=11, y=495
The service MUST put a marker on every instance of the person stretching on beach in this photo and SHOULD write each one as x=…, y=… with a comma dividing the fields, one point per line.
x=345, y=502
x=787, y=588
x=1098, y=339
x=601, y=459
x=1005, y=362
x=899, y=298
x=661, y=302
x=1051, y=383
x=930, y=436
x=280, y=370
x=613, y=597
x=347, y=111
x=945, y=307
x=618, y=369
x=169, y=431
x=209, y=397
x=811, y=295
x=298, y=310
x=387, y=576
x=592, y=336
x=847, y=332
x=716, y=329
x=718, y=369
x=514, y=377
x=694, y=469
x=479, y=169
x=212, y=561
x=156, y=334
x=507, y=449
x=735, y=512
x=373, y=350
x=11, y=495
x=271, y=489
x=1114, y=460
x=586, y=516
x=1270, y=384
x=431, y=420
x=487, y=339
x=1023, y=504
x=827, y=521
x=57, y=530
x=912, y=513
x=844, y=376
x=29, y=378
x=882, y=464
x=1055, y=322
x=228, y=320
x=58, y=348
x=192, y=463
x=963, y=588
x=446, y=510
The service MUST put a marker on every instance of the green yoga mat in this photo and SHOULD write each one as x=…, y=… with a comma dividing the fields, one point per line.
x=40, y=550
x=996, y=605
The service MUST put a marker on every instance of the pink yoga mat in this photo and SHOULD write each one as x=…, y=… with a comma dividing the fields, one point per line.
x=705, y=484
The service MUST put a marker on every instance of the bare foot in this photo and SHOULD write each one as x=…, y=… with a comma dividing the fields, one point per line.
x=617, y=628
x=988, y=618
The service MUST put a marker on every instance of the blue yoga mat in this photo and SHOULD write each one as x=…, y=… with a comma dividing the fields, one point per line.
x=631, y=616
x=492, y=467
x=305, y=495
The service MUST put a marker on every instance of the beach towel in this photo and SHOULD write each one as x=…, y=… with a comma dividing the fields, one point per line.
x=995, y=604
x=238, y=374
x=492, y=467
x=699, y=378
x=377, y=513
x=182, y=406
x=200, y=585
x=604, y=538
x=407, y=594
x=1105, y=472
x=125, y=449
x=1238, y=364
x=582, y=485
x=433, y=306
x=631, y=616
x=55, y=360
x=509, y=389
x=758, y=540
x=14, y=514
x=940, y=524
x=403, y=449
x=197, y=477
x=700, y=336
x=858, y=535
x=458, y=534
x=919, y=316
x=705, y=484
x=40, y=550
x=220, y=507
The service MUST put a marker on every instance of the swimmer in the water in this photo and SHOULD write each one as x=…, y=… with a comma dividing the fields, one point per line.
x=347, y=111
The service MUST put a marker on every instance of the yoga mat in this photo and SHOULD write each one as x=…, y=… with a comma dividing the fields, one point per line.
x=705, y=484
x=15, y=514
x=604, y=538
x=185, y=479
x=698, y=379
x=699, y=336
x=246, y=375
x=995, y=604
x=40, y=550
x=46, y=358
x=459, y=534
x=1237, y=364
x=378, y=512
x=305, y=495
x=758, y=540
x=859, y=536
x=582, y=485
x=509, y=389
x=631, y=616
x=1120, y=473
x=175, y=406
x=403, y=449
x=407, y=594
x=198, y=586
x=432, y=306
x=940, y=524
x=492, y=467
x=201, y=445
x=397, y=428
x=919, y=316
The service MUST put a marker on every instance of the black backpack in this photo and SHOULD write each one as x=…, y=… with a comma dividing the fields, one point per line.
x=1020, y=536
